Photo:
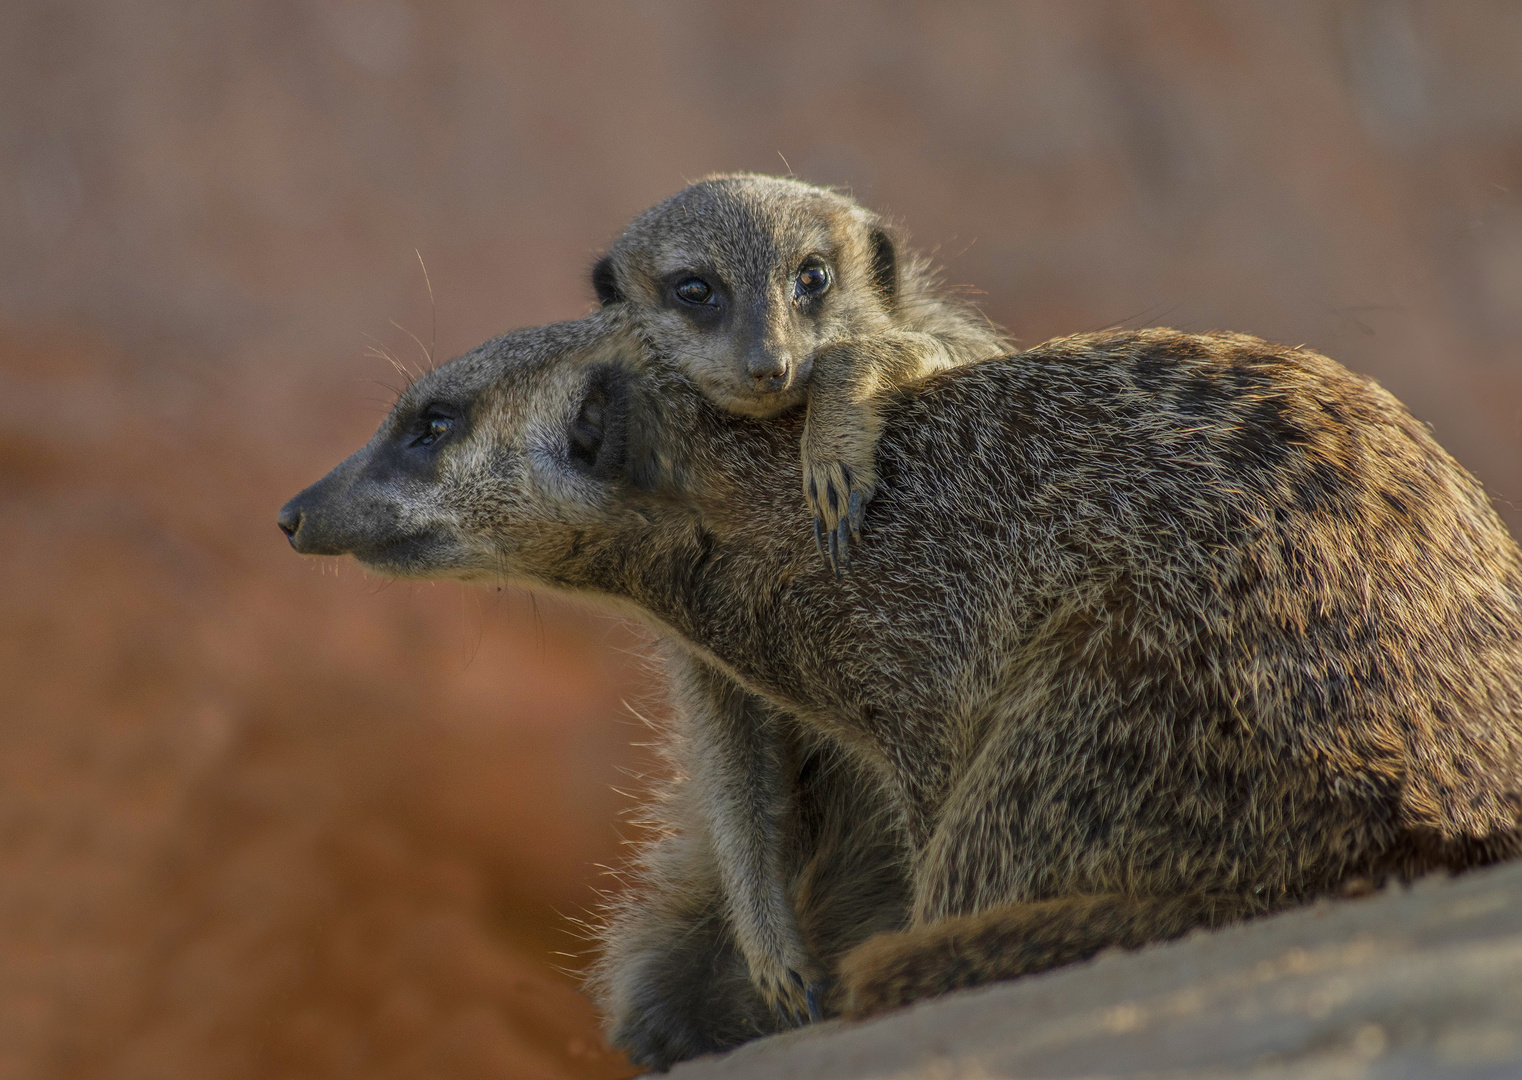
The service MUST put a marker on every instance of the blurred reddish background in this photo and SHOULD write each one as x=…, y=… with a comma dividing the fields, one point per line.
x=261, y=817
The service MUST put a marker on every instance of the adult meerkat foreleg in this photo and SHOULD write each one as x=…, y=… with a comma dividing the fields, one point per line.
x=840, y=433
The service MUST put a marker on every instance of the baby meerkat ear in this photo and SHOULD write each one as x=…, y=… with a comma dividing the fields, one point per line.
x=597, y=436
x=884, y=265
x=604, y=282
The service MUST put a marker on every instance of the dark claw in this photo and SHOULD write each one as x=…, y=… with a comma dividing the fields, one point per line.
x=819, y=535
x=834, y=556
x=813, y=492
x=815, y=994
x=843, y=543
x=829, y=492
x=791, y=1014
x=788, y=1015
x=858, y=511
x=812, y=993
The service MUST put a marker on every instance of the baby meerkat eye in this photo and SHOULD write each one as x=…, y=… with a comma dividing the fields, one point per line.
x=811, y=280
x=694, y=290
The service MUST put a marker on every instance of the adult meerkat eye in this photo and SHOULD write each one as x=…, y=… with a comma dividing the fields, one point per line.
x=435, y=427
x=694, y=290
x=811, y=280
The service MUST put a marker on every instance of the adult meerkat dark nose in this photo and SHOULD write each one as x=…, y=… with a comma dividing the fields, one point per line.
x=312, y=526
x=290, y=520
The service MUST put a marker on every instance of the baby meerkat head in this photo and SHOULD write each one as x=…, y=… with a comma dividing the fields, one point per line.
x=741, y=279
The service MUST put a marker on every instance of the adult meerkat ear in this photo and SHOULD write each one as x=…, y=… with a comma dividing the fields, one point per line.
x=884, y=265
x=598, y=436
x=605, y=283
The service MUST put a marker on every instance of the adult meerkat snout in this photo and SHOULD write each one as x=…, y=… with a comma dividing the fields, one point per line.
x=770, y=292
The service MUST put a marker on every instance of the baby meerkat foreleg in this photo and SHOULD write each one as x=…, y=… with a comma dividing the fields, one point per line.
x=840, y=433
x=891, y=970
x=741, y=773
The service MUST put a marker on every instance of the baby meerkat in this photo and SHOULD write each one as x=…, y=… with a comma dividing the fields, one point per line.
x=770, y=292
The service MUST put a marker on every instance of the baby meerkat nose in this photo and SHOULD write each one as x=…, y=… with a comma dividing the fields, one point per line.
x=767, y=368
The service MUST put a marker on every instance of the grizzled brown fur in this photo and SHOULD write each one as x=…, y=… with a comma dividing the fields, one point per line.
x=1153, y=630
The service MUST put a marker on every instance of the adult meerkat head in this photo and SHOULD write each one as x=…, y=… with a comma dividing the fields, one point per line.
x=485, y=466
x=739, y=279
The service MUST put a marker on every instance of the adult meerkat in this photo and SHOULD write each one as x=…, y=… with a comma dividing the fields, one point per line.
x=1156, y=631
x=770, y=292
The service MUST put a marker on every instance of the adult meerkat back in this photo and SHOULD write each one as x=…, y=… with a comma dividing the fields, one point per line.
x=1271, y=601
x=770, y=292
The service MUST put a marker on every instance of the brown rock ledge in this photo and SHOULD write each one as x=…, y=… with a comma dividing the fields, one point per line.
x=1419, y=982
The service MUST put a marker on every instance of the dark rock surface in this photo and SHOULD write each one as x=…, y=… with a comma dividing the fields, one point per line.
x=1411, y=983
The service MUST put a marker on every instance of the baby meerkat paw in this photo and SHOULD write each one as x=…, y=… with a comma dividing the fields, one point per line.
x=837, y=493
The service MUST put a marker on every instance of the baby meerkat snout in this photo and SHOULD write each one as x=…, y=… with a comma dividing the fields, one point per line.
x=769, y=363
x=770, y=359
x=765, y=359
